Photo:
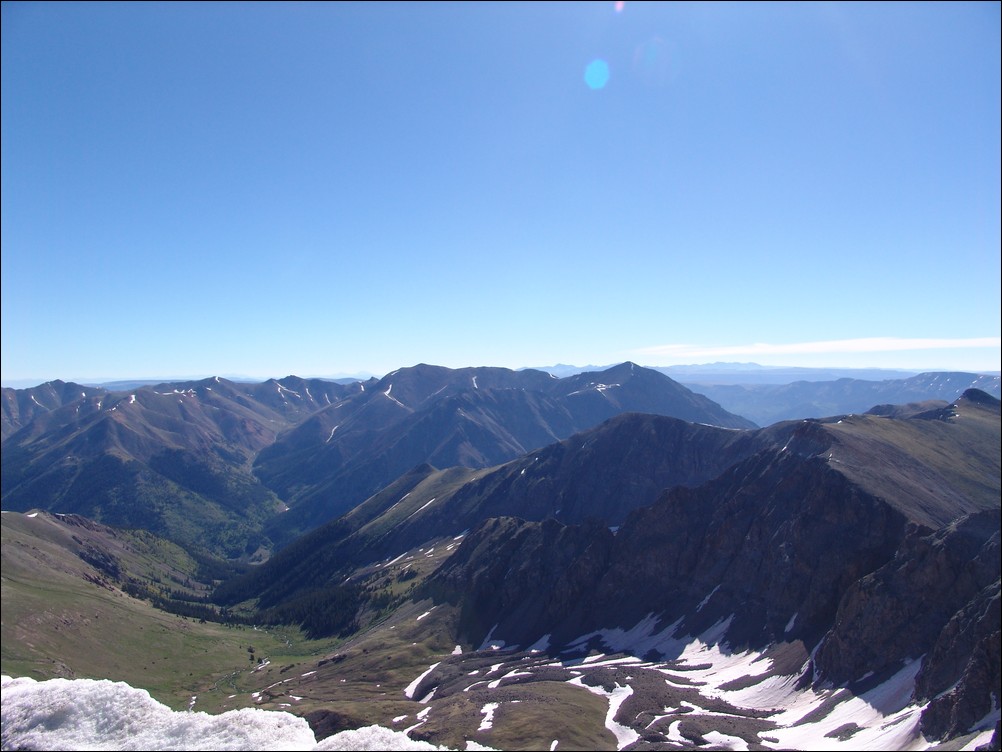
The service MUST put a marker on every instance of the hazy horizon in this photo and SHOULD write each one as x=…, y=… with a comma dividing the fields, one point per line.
x=723, y=366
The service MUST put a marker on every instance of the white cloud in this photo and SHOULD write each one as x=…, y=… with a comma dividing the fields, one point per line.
x=974, y=354
x=860, y=345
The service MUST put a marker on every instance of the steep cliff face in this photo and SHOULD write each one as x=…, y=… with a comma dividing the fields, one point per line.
x=962, y=668
x=938, y=599
x=961, y=672
x=520, y=578
x=900, y=610
x=774, y=543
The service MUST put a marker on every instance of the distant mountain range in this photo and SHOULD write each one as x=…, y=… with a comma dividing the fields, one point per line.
x=768, y=394
x=753, y=373
x=211, y=463
x=766, y=404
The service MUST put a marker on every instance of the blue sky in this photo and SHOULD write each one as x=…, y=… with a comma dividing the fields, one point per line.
x=319, y=189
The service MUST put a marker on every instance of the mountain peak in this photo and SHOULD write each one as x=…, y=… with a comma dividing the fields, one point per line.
x=979, y=397
x=626, y=368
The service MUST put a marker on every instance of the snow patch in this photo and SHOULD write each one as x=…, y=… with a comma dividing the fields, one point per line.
x=393, y=399
x=790, y=623
x=543, y=643
x=101, y=714
x=426, y=613
x=639, y=640
x=488, y=722
x=412, y=687
x=421, y=508
x=707, y=599
x=510, y=675
x=394, y=561
x=674, y=735
x=624, y=734
x=491, y=644
x=726, y=741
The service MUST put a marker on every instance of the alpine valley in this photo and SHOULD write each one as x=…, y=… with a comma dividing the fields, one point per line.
x=487, y=558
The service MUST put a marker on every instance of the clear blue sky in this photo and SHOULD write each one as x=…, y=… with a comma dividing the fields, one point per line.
x=318, y=189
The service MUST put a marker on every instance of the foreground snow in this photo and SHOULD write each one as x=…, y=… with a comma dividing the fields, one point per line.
x=64, y=714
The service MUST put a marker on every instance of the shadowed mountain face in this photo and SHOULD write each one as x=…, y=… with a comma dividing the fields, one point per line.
x=746, y=492
x=843, y=483
x=776, y=536
x=602, y=473
x=938, y=597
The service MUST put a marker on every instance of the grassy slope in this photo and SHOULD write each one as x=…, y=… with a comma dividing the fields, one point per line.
x=936, y=469
x=62, y=617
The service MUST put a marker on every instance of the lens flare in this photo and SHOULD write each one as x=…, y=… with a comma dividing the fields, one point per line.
x=597, y=74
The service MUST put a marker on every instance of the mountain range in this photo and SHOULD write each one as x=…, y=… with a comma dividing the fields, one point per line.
x=174, y=459
x=211, y=463
x=750, y=373
x=604, y=560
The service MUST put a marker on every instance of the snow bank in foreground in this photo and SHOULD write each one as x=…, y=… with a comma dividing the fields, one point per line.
x=64, y=714
x=373, y=738
x=84, y=713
